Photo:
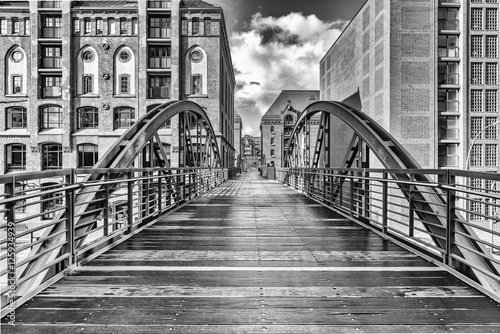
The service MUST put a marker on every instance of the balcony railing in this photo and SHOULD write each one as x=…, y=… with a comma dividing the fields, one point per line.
x=51, y=62
x=449, y=25
x=160, y=32
x=159, y=92
x=449, y=52
x=448, y=79
x=52, y=91
x=51, y=32
x=50, y=4
x=160, y=62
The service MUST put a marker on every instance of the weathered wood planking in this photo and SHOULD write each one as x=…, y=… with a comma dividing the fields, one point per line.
x=254, y=257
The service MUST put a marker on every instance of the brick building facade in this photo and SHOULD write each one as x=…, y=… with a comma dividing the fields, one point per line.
x=428, y=72
x=77, y=74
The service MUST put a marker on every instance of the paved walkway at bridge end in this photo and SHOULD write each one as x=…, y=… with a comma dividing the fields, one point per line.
x=254, y=256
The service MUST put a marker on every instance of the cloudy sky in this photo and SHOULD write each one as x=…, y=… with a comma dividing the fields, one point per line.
x=277, y=45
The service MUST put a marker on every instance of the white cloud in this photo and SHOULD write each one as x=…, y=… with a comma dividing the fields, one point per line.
x=278, y=53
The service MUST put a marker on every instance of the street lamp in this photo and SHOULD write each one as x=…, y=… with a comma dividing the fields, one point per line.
x=467, y=162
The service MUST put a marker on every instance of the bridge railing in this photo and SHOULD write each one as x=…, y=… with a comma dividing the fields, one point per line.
x=58, y=212
x=450, y=217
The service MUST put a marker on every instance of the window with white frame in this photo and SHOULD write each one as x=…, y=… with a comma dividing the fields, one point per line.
x=476, y=73
x=491, y=19
x=491, y=102
x=124, y=117
x=51, y=156
x=491, y=73
x=3, y=26
x=16, y=157
x=16, y=118
x=88, y=155
x=476, y=100
x=476, y=19
x=491, y=132
x=491, y=46
x=88, y=84
x=124, y=84
x=491, y=155
x=88, y=117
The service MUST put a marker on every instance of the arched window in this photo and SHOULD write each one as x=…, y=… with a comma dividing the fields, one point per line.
x=124, y=117
x=196, y=72
x=15, y=72
x=124, y=71
x=51, y=156
x=87, y=155
x=88, y=117
x=87, y=71
x=51, y=117
x=16, y=157
x=16, y=118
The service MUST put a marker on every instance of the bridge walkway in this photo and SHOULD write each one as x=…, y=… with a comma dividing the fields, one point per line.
x=255, y=256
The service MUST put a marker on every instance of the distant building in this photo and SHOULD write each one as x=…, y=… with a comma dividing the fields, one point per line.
x=277, y=124
x=427, y=71
x=251, y=152
x=238, y=128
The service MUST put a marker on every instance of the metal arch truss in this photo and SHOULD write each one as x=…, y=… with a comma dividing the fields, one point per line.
x=141, y=142
x=143, y=137
x=370, y=136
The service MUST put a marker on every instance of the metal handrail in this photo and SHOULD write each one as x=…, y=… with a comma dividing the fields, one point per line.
x=126, y=205
x=468, y=216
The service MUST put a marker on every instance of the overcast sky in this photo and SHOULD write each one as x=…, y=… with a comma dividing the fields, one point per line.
x=277, y=45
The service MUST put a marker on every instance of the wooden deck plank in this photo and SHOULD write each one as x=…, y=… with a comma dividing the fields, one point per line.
x=252, y=257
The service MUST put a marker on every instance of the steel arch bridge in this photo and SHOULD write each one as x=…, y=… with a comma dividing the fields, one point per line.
x=141, y=146
x=308, y=158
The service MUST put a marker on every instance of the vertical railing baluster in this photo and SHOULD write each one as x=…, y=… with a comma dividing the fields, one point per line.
x=411, y=210
x=70, y=217
x=385, y=198
x=106, y=205
x=351, y=186
x=450, y=218
x=130, y=201
x=160, y=192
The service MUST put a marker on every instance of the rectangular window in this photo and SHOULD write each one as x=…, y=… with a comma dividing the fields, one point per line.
x=3, y=26
x=135, y=26
x=98, y=26
x=51, y=56
x=160, y=57
x=15, y=26
x=51, y=86
x=184, y=26
x=272, y=128
x=476, y=74
x=448, y=155
x=476, y=156
x=273, y=141
x=124, y=117
x=196, y=26
x=88, y=85
x=87, y=155
x=160, y=27
x=159, y=86
x=448, y=128
x=16, y=157
x=476, y=100
x=476, y=19
x=87, y=26
x=491, y=154
x=111, y=26
x=208, y=27
x=448, y=73
x=491, y=73
x=447, y=101
x=123, y=26
x=16, y=118
x=76, y=27
x=27, y=26
x=491, y=103
x=88, y=117
x=476, y=125
x=491, y=131
x=196, y=84
x=491, y=46
x=476, y=46
x=447, y=47
x=16, y=84
x=51, y=117
x=491, y=19
x=52, y=156
x=448, y=19
x=159, y=3
x=51, y=26
x=124, y=84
